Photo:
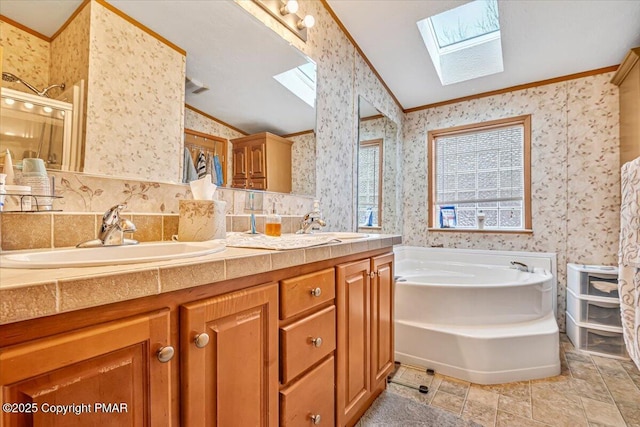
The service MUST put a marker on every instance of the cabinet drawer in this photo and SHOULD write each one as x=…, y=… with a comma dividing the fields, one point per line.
x=311, y=396
x=298, y=350
x=304, y=292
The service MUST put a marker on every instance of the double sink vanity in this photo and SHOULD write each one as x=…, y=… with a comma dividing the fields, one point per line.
x=230, y=337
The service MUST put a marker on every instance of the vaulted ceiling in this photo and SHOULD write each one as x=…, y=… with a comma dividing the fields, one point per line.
x=540, y=40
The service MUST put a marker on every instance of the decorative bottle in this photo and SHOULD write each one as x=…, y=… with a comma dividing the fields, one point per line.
x=273, y=224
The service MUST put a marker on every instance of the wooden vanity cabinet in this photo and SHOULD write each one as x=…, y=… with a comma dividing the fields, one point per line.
x=110, y=374
x=262, y=162
x=365, y=353
x=628, y=79
x=229, y=365
x=313, y=346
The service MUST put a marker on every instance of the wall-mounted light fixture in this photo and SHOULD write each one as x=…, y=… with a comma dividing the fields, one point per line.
x=290, y=6
x=285, y=12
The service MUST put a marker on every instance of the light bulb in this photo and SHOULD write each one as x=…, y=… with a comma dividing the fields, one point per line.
x=290, y=7
x=307, y=22
x=28, y=105
x=9, y=101
x=47, y=109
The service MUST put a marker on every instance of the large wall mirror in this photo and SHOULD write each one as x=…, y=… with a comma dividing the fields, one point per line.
x=378, y=145
x=248, y=69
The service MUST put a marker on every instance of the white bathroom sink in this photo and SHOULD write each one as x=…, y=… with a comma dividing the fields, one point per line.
x=110, y=255
x=345, y=235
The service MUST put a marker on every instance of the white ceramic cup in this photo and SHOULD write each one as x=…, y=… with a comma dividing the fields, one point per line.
x=33, y=166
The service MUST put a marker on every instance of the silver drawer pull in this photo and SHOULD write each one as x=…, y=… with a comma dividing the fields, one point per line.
x=316, y=292
x=316, y=342
x=316, y=419
x=165, y=354
x=201, y=340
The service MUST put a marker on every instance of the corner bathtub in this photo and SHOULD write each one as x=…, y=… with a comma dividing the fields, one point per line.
x=469, y=315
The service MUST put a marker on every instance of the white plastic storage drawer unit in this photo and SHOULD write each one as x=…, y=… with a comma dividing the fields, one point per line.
x=593, y=310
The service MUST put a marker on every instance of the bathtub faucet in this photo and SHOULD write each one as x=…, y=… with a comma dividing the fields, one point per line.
x=520, y=266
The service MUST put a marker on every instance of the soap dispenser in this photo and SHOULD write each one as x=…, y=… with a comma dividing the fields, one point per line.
x=315, y=215
x=273, y=224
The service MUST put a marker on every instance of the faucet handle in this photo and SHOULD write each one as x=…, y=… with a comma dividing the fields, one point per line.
x=112, y=213
x=111, y=217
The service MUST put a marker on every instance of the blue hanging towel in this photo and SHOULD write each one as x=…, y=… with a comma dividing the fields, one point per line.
x=218, y=167
x=201, y=165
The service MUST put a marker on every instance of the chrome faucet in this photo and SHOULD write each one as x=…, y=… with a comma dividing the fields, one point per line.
x=308, y=221
x=520, y=266
x=112, y=230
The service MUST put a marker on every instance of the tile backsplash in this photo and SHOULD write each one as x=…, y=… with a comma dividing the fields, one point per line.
x=152, y=206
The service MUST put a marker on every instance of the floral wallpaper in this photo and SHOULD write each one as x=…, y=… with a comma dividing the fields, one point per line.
x=25, y=56
x=575, y=172
x=593, y=171
x=135, y=106
x=93, y=193
x=303, y=164
x=70, y=53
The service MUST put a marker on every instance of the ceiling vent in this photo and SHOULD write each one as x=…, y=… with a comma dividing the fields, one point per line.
x=194, y=86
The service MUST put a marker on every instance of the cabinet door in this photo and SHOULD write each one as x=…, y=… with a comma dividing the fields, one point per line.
x=382, y=346
x=240, y=172
x=353, y=368
x=231, y=380
x=106, y=375
x=257, y=162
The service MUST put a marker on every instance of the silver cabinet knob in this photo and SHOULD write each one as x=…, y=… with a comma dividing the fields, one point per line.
x=316, y=292
x=201, y=340
x=316, y=342
x=165, y=354
x=316, y=419
x=372, y=274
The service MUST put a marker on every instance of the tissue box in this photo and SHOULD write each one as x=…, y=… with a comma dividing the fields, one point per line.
x=202, y=220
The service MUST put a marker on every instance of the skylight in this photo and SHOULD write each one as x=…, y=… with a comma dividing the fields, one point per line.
x=464, y=43
x=301, y=81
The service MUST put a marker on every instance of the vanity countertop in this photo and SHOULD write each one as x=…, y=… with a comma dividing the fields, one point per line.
x=32, y=293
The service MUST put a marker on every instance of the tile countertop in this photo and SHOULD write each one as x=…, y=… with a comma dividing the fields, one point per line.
x=28, y=294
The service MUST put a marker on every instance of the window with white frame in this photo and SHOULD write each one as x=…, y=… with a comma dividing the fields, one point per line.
x=480, y=176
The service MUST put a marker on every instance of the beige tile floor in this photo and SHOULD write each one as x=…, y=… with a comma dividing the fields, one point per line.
x=590, y=391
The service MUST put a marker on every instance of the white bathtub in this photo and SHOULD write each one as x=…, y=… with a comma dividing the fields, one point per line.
x=469, y=315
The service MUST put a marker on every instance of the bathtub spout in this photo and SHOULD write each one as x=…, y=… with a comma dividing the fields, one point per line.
x=520, y=266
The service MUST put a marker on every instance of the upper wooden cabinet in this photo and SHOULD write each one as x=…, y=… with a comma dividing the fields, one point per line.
x=262, y=162
x=628, y=78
